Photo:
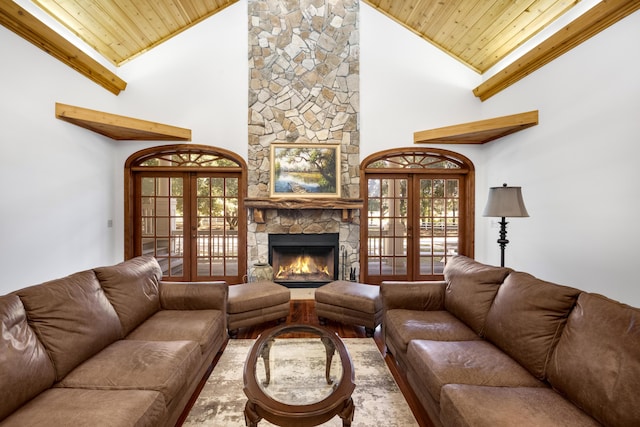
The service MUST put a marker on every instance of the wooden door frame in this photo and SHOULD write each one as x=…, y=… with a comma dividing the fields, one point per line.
x=132, y=166
x=465, y=168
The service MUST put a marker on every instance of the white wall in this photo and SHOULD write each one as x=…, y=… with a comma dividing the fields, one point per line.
x=62, y=183
x=57, y=186
x=196, y=80
x=408, y=85
x=578, y=168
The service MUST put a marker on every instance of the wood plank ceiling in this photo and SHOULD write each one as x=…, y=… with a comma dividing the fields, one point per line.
x=477, y=32
x=123, y=29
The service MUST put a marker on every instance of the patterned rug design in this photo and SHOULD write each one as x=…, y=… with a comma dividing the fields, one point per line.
x=377, y=398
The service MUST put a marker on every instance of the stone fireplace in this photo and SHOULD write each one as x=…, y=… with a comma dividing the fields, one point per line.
x=304, y=88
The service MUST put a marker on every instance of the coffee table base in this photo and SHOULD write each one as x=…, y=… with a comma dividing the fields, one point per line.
x=253, y=415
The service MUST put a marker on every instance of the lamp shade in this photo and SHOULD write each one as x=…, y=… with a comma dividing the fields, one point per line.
x=505, y=202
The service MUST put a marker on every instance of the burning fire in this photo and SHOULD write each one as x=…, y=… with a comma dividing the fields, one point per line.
x=302, y=265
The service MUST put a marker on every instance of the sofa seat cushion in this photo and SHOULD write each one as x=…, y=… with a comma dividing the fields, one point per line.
x=407, y=325
x=163, y=366
x=132, y=287
x=201, y=326
x=596, y=363
x=72, y=317
x=527, y=318
x=61, y=407
x=471, y=288
x=481, y=406
x=25, y=368
x=465, y=362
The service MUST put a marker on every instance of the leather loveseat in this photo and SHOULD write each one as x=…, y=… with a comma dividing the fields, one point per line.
x=111, y=346
x=490, y=346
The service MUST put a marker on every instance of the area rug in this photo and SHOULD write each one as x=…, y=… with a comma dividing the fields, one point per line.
x=377, y=398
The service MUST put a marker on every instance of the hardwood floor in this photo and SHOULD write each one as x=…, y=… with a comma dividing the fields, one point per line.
x=303, y=311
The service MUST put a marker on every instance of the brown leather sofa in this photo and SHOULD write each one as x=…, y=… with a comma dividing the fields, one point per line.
x=490, y=346
x=112, y=346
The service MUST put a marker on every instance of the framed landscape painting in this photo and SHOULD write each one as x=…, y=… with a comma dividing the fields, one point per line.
x=305, y=170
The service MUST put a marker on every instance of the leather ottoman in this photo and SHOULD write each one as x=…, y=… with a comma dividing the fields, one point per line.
x=250, y=304
x=350, y=303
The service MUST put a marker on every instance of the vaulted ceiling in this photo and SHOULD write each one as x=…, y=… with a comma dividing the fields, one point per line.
x=479, y=33
x=476, y=32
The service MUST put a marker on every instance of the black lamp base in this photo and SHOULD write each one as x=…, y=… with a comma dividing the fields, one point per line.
x=502, y=241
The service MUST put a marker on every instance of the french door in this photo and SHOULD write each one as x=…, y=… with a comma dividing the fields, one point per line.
x=189, y=222
x=416, y=220
x=185, y=208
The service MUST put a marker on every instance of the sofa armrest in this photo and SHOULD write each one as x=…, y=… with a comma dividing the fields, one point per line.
x=194, y=295
x=424, y=296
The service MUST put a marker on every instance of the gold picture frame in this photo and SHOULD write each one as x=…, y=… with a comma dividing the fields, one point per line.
x=305, y=170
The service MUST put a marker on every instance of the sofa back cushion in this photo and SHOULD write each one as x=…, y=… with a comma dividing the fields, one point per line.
x=72, y=317
x=471, y=287
x=596, y=363
x=25, y=368
x=527, y=317
x=132, y=288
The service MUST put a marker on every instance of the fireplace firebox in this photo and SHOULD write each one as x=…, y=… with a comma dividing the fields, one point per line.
x=304, y=260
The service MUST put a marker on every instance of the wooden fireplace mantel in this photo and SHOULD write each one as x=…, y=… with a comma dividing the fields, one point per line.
x=259, y=205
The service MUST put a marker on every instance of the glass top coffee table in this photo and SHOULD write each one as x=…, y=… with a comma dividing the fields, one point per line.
x=298, y=381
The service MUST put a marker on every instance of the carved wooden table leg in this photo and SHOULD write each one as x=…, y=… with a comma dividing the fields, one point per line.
x=266, y=350
x=251, y=417
x=330, y=350
x=347, y=413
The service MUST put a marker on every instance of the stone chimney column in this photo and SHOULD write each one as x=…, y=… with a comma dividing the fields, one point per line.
x=303, y=88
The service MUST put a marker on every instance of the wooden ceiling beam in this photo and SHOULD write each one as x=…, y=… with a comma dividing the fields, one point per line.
x=479, y=132
x=120, y=128
x=596, y=19
x=27, y=26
